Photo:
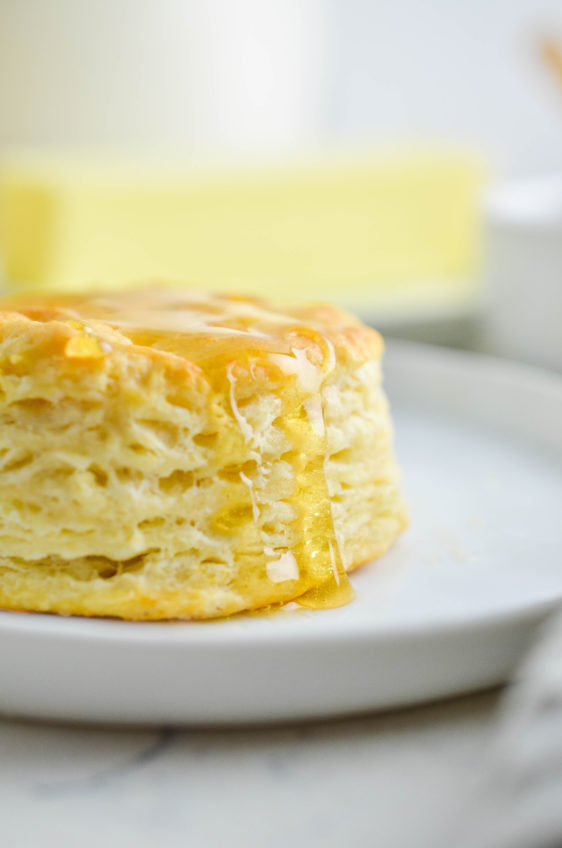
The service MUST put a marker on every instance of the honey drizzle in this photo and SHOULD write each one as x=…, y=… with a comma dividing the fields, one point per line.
x=317, y=550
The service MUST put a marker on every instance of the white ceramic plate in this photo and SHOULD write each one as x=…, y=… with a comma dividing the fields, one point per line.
x=449, y=609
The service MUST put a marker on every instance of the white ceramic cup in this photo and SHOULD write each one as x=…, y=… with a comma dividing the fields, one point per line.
x=171, y=76
x=524, y=271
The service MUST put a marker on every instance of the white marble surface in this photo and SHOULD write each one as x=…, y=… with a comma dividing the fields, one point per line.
x=399, y=779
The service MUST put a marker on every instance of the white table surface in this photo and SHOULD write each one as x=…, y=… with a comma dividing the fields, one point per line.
x=399, y=779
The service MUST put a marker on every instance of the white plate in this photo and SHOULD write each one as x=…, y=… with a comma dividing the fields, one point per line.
x=449, y=609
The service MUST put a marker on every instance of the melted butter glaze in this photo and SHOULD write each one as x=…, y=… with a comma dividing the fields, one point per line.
x=229, y=339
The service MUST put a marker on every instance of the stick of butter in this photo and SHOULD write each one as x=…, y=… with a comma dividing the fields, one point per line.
x=312, y=229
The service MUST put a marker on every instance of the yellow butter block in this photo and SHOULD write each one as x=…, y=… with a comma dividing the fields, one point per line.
x=323, y=228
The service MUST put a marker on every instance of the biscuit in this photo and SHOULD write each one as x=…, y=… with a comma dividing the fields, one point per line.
x=174, y=454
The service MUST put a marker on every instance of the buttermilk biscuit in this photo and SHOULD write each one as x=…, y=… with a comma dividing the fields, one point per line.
x=170, y=454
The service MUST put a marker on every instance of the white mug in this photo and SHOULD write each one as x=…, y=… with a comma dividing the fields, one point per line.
x=172, y=76
x=524, y=271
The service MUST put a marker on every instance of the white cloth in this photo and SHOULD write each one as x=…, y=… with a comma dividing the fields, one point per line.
x=520, y=804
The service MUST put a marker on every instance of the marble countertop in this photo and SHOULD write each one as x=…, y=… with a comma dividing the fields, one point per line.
x=402, y=780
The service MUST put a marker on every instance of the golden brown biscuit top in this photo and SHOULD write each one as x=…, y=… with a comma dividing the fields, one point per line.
x=204, y=328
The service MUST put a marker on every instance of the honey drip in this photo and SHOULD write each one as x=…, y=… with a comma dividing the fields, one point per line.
x=318, y=551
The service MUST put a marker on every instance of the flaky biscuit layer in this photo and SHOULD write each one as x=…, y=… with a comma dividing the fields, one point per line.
x=170, y=454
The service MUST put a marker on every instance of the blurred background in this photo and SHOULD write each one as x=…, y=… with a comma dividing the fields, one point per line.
x=399, y=157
